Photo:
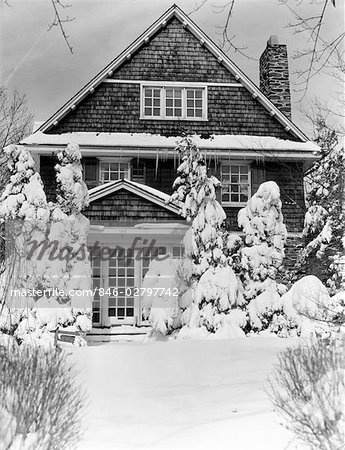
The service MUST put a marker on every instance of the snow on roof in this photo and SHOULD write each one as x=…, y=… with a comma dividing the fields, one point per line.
x=147, y=140
x=162, y=195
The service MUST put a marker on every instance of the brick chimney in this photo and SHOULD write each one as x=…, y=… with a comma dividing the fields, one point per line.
x=274, y=75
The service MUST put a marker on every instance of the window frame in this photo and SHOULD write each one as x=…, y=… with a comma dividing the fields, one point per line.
x=184, y=87
x=110, y=160
x=235, y=163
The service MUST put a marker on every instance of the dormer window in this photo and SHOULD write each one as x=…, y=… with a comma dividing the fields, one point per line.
x=172, y=102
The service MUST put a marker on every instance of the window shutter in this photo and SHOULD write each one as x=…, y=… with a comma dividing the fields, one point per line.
x=91, y=172
x=258, y=176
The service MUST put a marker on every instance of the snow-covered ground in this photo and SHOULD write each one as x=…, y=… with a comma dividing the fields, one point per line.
x=181, y=395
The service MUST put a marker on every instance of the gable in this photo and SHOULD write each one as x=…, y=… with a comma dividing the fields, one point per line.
x=125, y=206
x=172, y=49
x=174, y=54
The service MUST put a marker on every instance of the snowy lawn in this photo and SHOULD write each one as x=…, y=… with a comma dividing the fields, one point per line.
x=181, y=394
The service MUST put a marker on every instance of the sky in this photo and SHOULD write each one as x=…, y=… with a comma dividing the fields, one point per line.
x=37, y=62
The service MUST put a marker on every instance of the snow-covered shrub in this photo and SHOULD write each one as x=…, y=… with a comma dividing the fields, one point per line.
x=40, y=404
x=160, y=299
x=217, y=294
x=324, y=225
x=204, y=242
x=308, y=389
x=309, y=305
x=266, y=312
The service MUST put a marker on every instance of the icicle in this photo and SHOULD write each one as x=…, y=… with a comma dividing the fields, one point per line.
x=157, y=161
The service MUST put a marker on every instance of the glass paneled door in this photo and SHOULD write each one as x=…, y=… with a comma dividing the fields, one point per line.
x=119, y=299
x=114, y=281
x=117, y=277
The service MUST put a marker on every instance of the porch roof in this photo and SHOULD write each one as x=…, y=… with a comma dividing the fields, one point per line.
x=147, y=192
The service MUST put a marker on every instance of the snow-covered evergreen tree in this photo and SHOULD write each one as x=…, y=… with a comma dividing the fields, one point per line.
x=34, y=225
x=324, y=225
x=72, y=196
x=265, y=236
x=197, y=193
x=69, y=227
x=216, y=289
x=262, y=255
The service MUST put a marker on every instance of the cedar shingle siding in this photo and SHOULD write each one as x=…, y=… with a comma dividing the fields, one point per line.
x=174, y=54
x=288, y=176
x=123, y=206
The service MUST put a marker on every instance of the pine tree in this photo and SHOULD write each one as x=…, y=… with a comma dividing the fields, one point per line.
x=324, y=225
x=215, y=286
x=261, y=257
x=63, y=266
x=265, y=236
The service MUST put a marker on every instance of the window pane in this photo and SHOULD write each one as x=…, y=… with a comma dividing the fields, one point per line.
x=169, y=111
x=235, y=169
x=234, y=178
x=148, y=102
x=147, y=111
x=169, y=102
x=234, y=197
x=156, y=93
x=156, y=111
x=178, y=112
x=111, y=312
x=148, y=92
x=198, y=113
x=178, y=93
x=190, y=103
x=156, y=102
x=198, y=93
x=130, y=312
x=190, y=93
x=190, y=113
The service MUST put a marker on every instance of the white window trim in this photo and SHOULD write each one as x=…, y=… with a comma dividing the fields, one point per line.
x=183, y=86
x=237, y=163
x=109, y=159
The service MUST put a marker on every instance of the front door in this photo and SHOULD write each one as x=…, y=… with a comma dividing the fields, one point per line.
x=116, y=278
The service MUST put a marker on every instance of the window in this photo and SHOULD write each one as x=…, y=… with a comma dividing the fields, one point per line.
x=113, y=170
x=170, y=102
x=235, y=183
x=138, y=171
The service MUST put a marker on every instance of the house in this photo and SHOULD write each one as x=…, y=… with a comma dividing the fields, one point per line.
x=171, y=80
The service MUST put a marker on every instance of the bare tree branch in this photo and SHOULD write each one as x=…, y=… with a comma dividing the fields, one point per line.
x=59, y=21
x=226, y=41
x=15, y=119
x=323, y=53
